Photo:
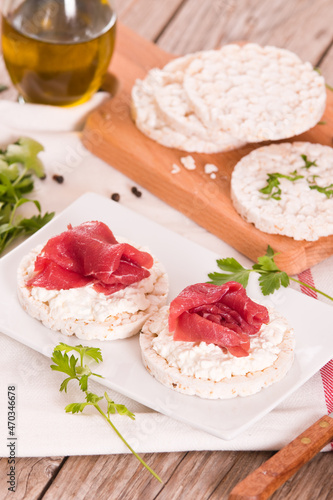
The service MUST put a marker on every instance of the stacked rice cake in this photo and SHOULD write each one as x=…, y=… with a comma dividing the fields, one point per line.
x=217, y=100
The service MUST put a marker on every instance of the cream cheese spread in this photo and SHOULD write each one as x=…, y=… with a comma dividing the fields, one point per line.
x=210, y=362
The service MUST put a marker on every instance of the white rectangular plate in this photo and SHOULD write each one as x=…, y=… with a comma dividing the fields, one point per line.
x=186, y=263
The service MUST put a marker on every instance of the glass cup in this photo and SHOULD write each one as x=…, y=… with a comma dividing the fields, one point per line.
x=57, y=51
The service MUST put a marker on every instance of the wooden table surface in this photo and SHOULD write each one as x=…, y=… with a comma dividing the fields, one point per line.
x=182, y=26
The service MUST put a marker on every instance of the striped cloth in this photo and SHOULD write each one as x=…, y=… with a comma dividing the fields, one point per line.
x=326, y=371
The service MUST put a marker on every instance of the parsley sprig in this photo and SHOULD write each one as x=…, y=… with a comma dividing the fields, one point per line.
x=81, y=372
x=272, y=188
x=308, y=163
x=18, y=163
x=326, y=190
x=270, y=279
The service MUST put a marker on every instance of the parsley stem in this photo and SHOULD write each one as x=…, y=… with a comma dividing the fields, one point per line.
x=20, y=177
x=126, y=443
x=311, y=288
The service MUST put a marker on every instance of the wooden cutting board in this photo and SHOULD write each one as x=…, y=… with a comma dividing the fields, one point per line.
x=111, y=134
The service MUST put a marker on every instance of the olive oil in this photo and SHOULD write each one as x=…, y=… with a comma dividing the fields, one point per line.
x=57, y=52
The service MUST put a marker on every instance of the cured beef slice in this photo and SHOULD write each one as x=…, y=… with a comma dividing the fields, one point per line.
x=222, y=315
x=89, y=253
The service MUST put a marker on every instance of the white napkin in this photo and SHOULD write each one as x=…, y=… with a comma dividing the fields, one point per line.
x=43, y=428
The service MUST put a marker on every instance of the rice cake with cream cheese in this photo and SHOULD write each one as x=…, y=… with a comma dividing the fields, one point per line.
x=303, y=212
x=89, y=314
x=206, y=370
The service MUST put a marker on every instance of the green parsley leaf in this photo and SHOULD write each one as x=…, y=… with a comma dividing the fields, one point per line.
x=93, y=398
x=266, y=263
x=92, y=352
x=25, y=151
x=272, y=189
x=64, y=364
x=75, y=407
x=235, y=272
x=327, y=190
x=81, y=372
x=113, y=408
x=18, y=164
x=271, y=282
x=308, y=163
x=271, y=278
x=35, y=222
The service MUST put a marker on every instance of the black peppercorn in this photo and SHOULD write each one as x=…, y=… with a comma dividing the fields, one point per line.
x=115, y=197
x=58, y=178
x=136, y=192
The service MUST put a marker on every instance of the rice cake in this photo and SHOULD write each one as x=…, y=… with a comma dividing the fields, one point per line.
x=210, y=372
x=160, y=123
x=255, y=93
x=303, y=212
x=176, y=109
x=91, y=315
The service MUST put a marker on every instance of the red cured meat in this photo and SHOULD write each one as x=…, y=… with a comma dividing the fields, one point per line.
x=222, y=315
x=58, y=278
x=89, y=253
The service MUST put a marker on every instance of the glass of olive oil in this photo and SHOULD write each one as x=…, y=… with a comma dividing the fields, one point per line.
x=57, y=51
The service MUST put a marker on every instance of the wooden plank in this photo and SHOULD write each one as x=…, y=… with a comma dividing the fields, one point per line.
x=112, y=477
x=122, y=6
x=32, y=476
x=148, y=17
x=326, y=66
x=204, y=472
x=302, y=26
x=110, y=130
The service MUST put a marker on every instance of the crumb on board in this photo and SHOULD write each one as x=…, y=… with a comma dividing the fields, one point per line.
x=175, y=168
x=210, y=168
x=188, y=162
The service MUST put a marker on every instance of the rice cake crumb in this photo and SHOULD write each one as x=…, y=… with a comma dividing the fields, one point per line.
x=175, y=168
x=188, y=162
x=210, y=168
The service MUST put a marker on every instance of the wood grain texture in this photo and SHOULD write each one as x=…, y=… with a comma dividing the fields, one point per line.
x=148, y=18
x=326, y=65
x=112, y=477
x=261, y=483
x=110, y=130
x=300, y=26
x=32, y=477
x=204, y=472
